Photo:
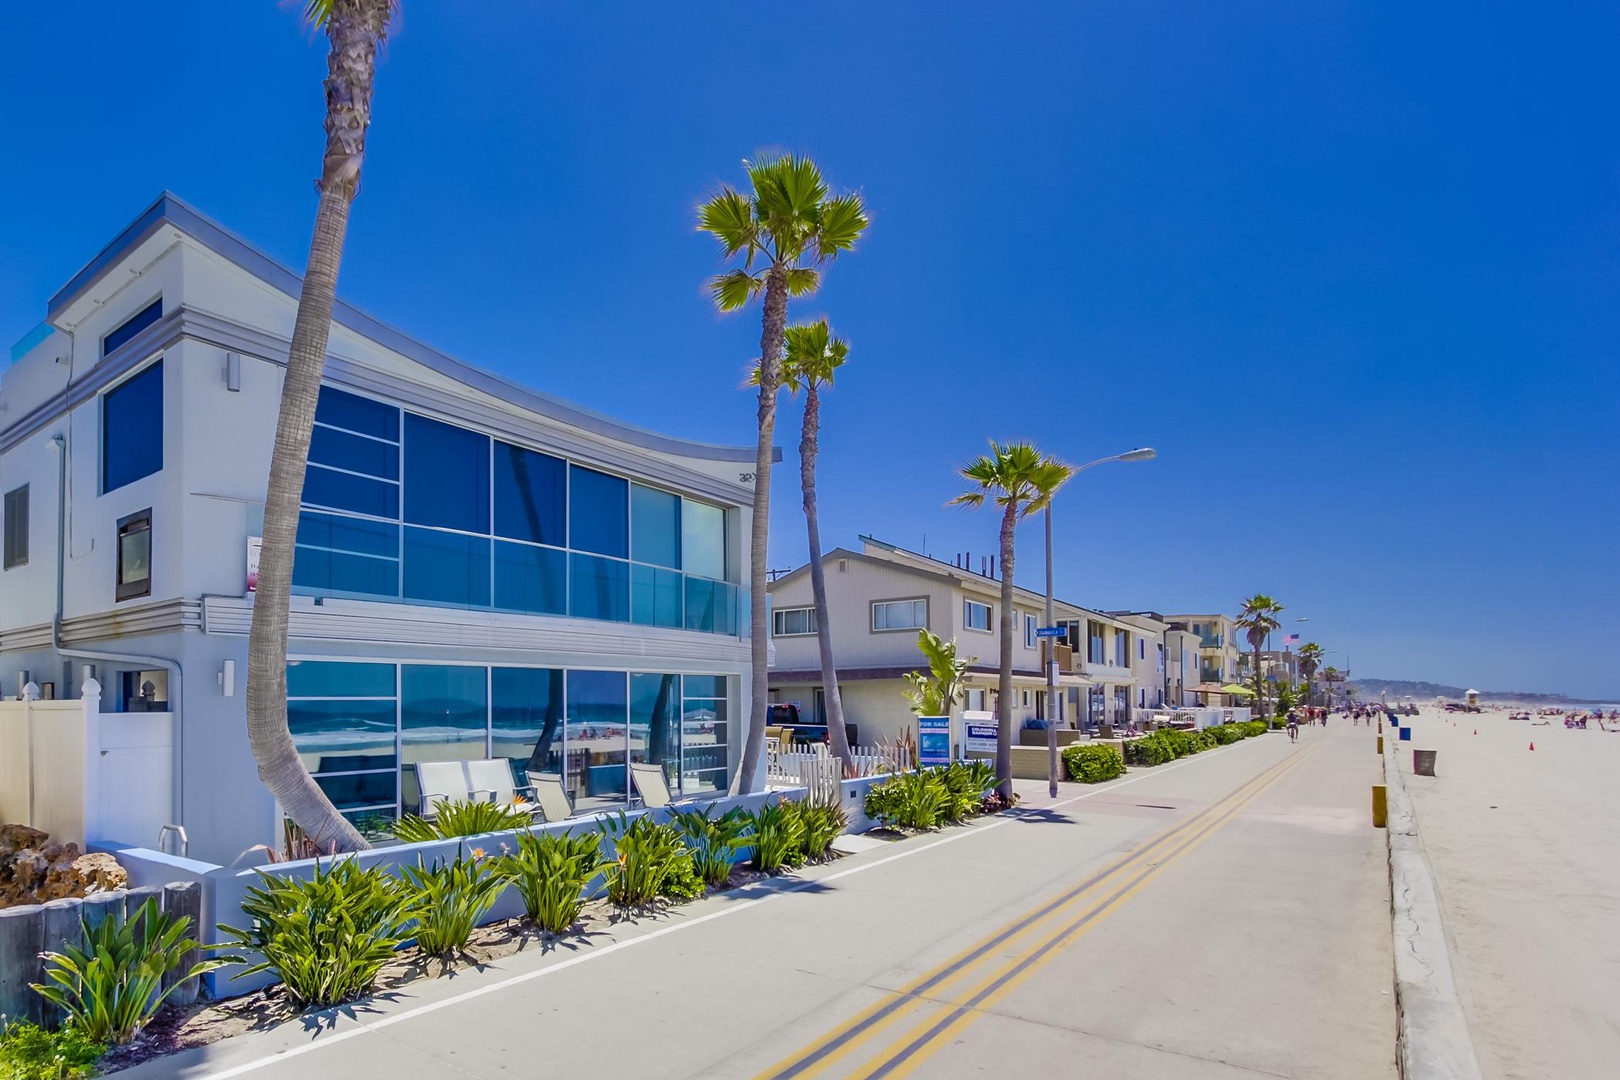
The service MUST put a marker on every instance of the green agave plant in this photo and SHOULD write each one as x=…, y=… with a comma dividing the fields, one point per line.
x=112, y=984
x=778, y=836
x=645, y=854
x=450, y=899
x=453, y=818
x=713, y=841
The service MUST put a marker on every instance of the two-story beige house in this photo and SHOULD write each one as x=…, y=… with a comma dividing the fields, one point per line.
x=1220, y=649
x=880, y=596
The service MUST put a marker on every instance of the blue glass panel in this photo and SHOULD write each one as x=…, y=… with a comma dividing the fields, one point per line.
x=329, y=446
x=598, y=512
x=359, y=789
x=132, y=429
x=601, y=589
x=655, y=596
x=530, y=496
x=357, y=414
x=526, y=717
x=705, y=686
x=531, y=579
x=334, y=678
x=443, y=717
x=319, y=570
x=703, y=540
x=342, y=491
x=446, y=475
x=446, y=568
x=339, y=736
x=704, y=734
x=598, y=722
x=348, y=534
x=711, y=606
x=133, y=325
x=655, y=527
x=655, y=729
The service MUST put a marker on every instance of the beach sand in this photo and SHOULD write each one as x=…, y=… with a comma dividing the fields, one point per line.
x=1525, y=847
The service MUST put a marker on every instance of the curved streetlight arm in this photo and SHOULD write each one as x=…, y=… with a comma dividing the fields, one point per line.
x=1145, y=453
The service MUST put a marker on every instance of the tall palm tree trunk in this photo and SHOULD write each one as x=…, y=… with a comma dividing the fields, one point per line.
x=809, y=437
x=354, y=27
x=1004, y=683
x=770, y=382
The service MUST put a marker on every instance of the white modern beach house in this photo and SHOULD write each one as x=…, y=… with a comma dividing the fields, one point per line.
x=481, y=570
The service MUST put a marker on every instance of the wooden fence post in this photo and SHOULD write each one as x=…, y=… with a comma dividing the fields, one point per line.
x=22, y=935
x=62, y=927
x=184, y=899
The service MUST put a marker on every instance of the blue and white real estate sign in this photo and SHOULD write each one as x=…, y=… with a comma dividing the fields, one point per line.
x=978, y=735
x=933, y=741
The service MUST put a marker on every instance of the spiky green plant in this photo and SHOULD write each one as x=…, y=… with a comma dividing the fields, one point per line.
x=326, y=938
x=551, y=872
x=111, y=983
x=454, y=817
x=777, y=836
x=645, y=853
x=713, y=841
x=823, y=821
x=450, y=899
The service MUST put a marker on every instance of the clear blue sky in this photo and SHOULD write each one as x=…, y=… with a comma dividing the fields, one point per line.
x=1351, y=268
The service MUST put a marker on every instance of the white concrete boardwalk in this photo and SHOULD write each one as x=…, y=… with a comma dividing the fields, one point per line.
x=1222, y=917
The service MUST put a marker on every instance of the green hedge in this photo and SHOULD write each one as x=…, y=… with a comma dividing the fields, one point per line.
x=1167, y=744
x=1093, y=763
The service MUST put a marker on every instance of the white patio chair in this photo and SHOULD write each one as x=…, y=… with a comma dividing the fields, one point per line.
x=550, y=796
x=495, y=776
x=443, y=781
x=648, y=778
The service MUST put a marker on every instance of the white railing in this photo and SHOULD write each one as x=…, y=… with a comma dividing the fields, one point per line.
x=814, y=766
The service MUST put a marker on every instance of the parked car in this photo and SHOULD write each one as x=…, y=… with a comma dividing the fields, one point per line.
x=785, y=714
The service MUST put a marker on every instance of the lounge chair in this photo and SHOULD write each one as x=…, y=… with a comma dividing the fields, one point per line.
x=445, y=781
x=495, y=776
x=551, y=796
x=651, y=785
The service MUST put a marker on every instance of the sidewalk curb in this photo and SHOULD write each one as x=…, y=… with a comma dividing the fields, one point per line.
x=1432, y=1040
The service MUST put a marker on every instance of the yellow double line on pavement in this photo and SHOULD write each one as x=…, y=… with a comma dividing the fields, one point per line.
x=1118, y=882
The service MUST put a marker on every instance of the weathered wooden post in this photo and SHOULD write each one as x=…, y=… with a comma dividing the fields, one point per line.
x=62, y=927
x=184, y=899
x=22, y=935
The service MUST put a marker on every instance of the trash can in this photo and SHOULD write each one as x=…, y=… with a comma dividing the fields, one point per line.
x=1423, y=762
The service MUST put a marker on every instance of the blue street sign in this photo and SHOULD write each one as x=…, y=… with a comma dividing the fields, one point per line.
x=1049, y=631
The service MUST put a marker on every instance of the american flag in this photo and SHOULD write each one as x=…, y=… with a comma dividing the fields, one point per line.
x=1291, y=639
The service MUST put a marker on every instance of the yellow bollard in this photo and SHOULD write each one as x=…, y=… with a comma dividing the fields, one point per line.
x=1380, y=746
x=1380, y=806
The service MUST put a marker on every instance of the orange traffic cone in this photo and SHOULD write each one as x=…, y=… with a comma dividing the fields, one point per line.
x=1476, y=731
x=1532, y=746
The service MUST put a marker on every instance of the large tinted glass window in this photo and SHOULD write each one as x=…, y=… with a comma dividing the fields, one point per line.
x=132, y=429
x=531, y=579
x=133, y=325
x=446, y=476
x=443, y=717
x=704, y=736
x=530, y=496
x=703, y=539
x=355, y=453
x=343, y=736
x=354, y=413
x=346, y=555
x=327, y=678
x=446, y=568
x=711, y=606
x=601, y=588
x=655, y=526
x=598, y=512
x=526, y=718
x=655, y=596
x=655, y=730
x=344, y=491
x=598, y=715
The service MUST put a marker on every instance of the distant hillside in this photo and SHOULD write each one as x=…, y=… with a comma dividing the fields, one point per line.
x=1369, y=689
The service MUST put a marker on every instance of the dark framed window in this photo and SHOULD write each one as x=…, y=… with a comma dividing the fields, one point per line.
x=16, y=525
x=135, y=555
x=531, y=496
x=446, y=476
x=133, y=325
x=132, y=429
x=598, y=512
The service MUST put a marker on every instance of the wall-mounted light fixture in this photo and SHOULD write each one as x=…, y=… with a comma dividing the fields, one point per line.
x=233, y=372
x=227, y=679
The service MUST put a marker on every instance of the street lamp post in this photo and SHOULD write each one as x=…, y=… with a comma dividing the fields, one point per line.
x=1054, y=705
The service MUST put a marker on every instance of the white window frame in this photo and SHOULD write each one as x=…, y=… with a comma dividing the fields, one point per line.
x=810, y=621
x=989, y=617
x=876, y=629
x=1030, y=640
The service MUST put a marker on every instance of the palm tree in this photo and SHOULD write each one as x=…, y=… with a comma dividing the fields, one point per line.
x=1257, y=619
x=783, y=229
x=1330, y=675
x=354, y=30
x=1022, y=481
x=813, y=354
x=1310, y=658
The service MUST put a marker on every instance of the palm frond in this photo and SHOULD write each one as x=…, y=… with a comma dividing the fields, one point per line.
x=802, y=281
x=843, y=219
x=733, y=289
x=317, y=12
x=1017, y=474
x=729, y=217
